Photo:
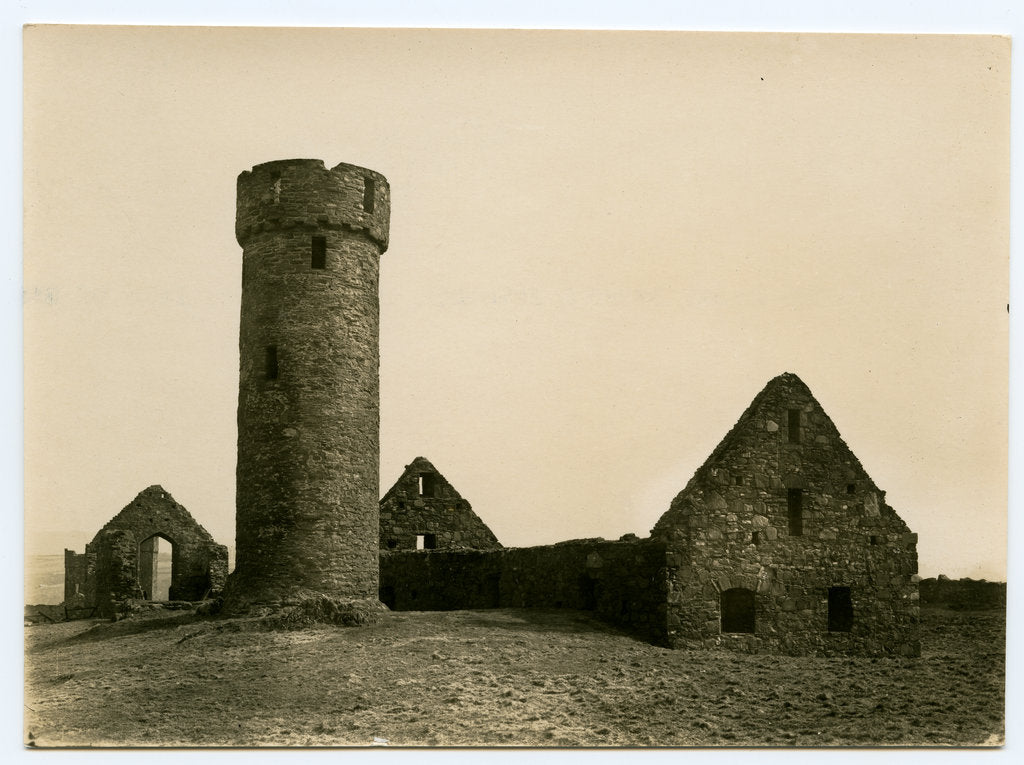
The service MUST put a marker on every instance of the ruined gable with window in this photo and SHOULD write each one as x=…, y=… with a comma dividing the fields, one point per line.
x=422, y=511
x=121, y=564
x=781, y=542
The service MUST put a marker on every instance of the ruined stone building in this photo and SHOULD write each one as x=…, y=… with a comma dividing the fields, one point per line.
x=780, y=542
x=120, y=563
x=422, y=511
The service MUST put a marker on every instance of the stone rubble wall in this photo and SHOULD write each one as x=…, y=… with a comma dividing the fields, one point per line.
x=966, y=594
x=622, y=582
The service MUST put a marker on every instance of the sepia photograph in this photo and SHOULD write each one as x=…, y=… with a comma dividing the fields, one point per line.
x=547, y=388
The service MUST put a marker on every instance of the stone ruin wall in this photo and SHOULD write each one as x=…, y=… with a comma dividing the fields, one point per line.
x=850, y=538
x=622, y=582
x=106, y=577
x=963, y=594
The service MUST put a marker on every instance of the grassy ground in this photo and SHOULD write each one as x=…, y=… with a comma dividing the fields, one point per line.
x=495, y=678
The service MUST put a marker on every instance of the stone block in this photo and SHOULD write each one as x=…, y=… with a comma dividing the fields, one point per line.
x=715, y=501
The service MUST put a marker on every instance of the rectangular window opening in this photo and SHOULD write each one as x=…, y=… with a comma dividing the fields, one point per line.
x=795, y=509
x=794, y=426
x=271, y=366
x=755, y=537
x=840, y=609
x=738, y=480
x=318, y=258
x=426, y=541
x=369, y=187
x=428, y=485
x=851, y=488
x=874, y=539
x=420, y=538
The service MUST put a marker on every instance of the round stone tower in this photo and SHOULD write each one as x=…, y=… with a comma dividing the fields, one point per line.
x=308, y=393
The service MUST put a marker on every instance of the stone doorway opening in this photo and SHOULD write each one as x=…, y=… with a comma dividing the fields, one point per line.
x=737, y=606
x=156, y=567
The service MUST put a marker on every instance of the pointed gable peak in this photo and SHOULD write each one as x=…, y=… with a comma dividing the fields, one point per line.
x=786, y=378
x=420, y=464
x=783, y=427
x=413, y=473
x=156, y=490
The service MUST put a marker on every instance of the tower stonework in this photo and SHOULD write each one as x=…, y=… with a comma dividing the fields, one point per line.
x=308, y=395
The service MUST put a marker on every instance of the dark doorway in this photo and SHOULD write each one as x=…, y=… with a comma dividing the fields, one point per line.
x=387, y=596
x=492, y=591
x=737, y=610
x=588, y=594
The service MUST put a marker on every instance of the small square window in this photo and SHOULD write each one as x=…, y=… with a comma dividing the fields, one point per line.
x=874, y=539
x=851, y=488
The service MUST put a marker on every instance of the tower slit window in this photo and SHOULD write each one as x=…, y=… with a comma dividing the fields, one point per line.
x=369, y=187
x=271, y=363
x=318, y=257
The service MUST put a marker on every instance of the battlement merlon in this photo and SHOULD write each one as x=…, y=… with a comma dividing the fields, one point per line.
x=303, y=193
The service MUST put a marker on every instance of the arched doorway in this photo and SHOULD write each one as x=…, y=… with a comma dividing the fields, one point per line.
x=156, y=567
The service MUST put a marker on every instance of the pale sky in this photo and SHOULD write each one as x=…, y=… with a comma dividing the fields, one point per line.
x=603, y=245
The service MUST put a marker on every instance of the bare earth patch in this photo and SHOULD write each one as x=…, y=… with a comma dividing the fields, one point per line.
x=494, y=678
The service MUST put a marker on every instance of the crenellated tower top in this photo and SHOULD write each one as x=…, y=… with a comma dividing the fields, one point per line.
x=291, y=193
